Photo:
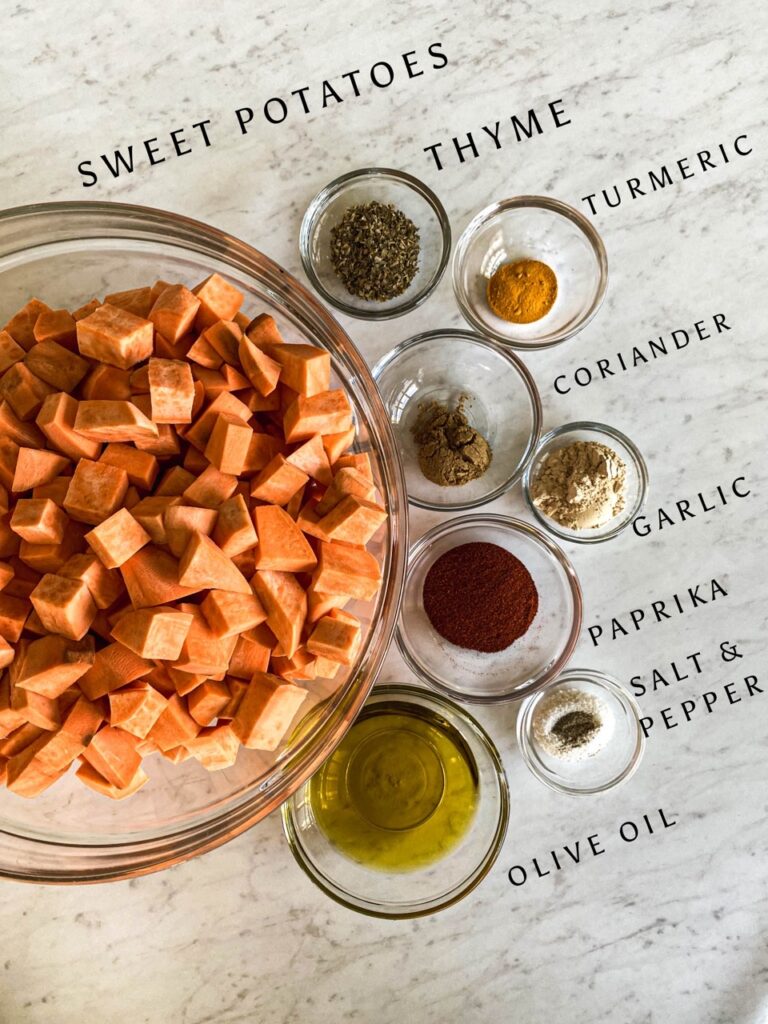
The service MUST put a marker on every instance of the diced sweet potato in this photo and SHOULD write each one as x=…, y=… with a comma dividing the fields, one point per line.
x=219, y=300
x=328, y=412
x=112, y=753
x=53, y=663
x=278, y=482
x=286, y=603
x=234, y=531
x=311, y=458
x=57, y=366
x=211, y=488
x=56, y=420
x=347, y=570
x=215, y=747
x=26, y=777
x=39, y=521
x=266, y=711
x=171, y=391
x=181, y=521
x=10, y=351
x=117, y=539
x=105, y=382
x=174, y=311
x=250, y=655
x=136, y=708
x=336, y=444
x=346, y=481
x=282, y=545
x=229, y=614
x=304, y=368
x=153, y=633
x=64, y=605
x=21, y=325
x=174, y=726
x=138, y=301
x=35, y=467
x=361, y=461
x=104, y=585
x=224, y=337
x=263, y=330
x=95, y=492
x=112, y=420
x=228, y=445
x=56, y=751
x=141, y=467
x=261, y=369
x=115, y=336
x=23, y=391
x=150, y=513
x=95, y=781
x=352, y=521
x=335, y=639
x=114, y=666
x=207, y=701
x=204, y=565
x=151, y=577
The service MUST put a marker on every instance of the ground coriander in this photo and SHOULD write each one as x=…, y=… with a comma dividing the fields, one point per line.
x=451, y=452
x=375, y=251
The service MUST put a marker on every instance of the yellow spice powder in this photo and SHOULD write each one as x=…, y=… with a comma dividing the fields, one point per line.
x=522, y=292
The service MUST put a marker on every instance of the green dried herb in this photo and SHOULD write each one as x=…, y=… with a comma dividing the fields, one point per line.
x=451, y=451
x=375, y=251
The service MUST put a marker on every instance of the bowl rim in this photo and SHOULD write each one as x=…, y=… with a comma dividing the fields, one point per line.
x=371, y=909
x=625, y=698
x=537, y=202
x=321, y=200
x=125, y=857
x=615, y=434
x=388, y=360
x=514, y=525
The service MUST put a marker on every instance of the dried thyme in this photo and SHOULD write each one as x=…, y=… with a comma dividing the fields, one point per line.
x=375, y=251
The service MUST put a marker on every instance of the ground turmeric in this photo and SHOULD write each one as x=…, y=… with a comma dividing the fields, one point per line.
x=522, y=292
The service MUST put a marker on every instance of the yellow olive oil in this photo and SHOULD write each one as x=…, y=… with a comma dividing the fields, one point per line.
x=399, y=792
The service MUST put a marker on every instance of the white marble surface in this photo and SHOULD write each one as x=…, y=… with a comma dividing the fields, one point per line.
x=671, y=928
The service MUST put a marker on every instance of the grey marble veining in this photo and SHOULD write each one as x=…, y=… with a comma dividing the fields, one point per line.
x=671, y=927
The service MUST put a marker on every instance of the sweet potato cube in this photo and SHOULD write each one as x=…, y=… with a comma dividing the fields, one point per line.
x=13, y=615
x=21, y=325
x=200, y=430
x=204, y=565
x=25, y=776
x=300, y=667
x=10, y=351
x=203, y=653
x=211, y=488
x=181, y=521
x=7, y=653
x=224, y=337
x=174, y=311
x=117, y=539
x=95, y=492
x=278, y=482
x=175, y=481
x=151, y=577
x=56, y=751
x=328, y=412
x=347, y=570
x=53, y=663
x=282, y=545
x=64, y=606
x=23, y=391
x=229, y=614
x=55, y=365
x=150, y=513
x=286, y=603
x=215, y=747
x=136, y=708
x=311, y=458
x=138, y=301
x=352, y=520
x=361, y=461
x=336, y=444
x=174, y=726
x=228, y=445
x=36, y=709
x=171, y=391
x=234, y=531
x=335, y=639
x=6, y=574
x=112, y=753
x=207, y=701
x=105, y=586
x=113, y=667
x=346, y=481
x=266, y=711
x=13, y=429
x=56, y=419
x=112, y=420
x=305, y=368
x=107, y=382
x=55, y=326
x=260, y=368
x=263, y=330
x=95, y=781
x=261, y=451
x=141, y=467
x=154, y=633
x=115, y=336
x=250, y=655
x=39, y=521
x=205, y=355
x=219, y=300
x=35, y=467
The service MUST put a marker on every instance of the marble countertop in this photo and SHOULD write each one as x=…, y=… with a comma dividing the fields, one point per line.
x=672, y=926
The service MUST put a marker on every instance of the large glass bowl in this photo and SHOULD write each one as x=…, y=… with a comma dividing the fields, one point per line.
x=65, y=254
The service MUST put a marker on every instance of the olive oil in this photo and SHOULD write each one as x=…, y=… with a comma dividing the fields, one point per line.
x=399, y=792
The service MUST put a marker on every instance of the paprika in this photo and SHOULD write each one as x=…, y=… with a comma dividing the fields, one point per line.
x=480, y=596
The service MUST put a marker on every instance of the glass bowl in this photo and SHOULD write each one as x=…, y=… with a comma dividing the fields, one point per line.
x=537, y=228
x=502, y=403
x=65, y=253
x=636, y=484
x=425, y=890
x=531, y=661
x=615, y=763
x=383, y=185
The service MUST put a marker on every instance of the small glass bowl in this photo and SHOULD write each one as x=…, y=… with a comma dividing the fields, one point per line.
x=636, y=485
x=425, y=890
x=537, y=228
x=615, y=763
x=385, y=186
x=533, y=659
x=502, y=403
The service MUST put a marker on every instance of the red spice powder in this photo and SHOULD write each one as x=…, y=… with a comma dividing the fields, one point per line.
x=480, y=597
